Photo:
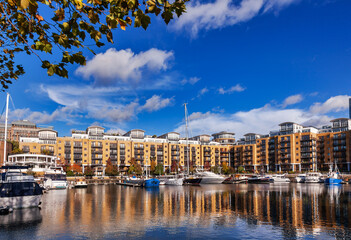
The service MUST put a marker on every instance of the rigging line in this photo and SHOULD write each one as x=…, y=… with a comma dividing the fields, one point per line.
x=2, y=111
x=13, y=104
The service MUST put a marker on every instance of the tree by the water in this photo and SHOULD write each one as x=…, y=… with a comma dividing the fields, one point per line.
x=65, y=27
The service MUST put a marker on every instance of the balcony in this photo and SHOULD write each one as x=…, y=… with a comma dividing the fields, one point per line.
x=96, y=151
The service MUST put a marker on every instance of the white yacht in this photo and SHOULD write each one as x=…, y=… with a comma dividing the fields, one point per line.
x=175, y=181
x=209, y=177
x=55, y=178
x=18, y=190
x=80, y=183
x=280, y=178
x=301, y=178
x=314, y=177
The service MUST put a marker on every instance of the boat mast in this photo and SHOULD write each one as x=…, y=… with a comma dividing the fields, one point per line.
x=186, y=135
x=6, y=115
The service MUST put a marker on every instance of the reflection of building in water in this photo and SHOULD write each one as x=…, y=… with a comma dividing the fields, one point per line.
x=296, y=209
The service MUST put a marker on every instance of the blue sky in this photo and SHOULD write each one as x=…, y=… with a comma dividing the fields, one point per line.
x=242, y=66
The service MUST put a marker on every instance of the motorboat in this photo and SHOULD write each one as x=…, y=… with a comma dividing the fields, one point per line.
x=258, y=179
x=192, y=180
x=173, y=180
x=134, y=180
x=235, y=179
x=18, y=190
x=334, y=177
x=80, y=183
x=55, y=178
x=209, y=177
x=314, y=177
x=301, y=178
x=280, y=178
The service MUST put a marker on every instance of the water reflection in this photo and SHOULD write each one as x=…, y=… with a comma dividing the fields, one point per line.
x=244, y=211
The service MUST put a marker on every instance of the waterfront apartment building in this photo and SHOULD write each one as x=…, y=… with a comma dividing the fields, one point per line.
x=292, y=148
x=17, y=129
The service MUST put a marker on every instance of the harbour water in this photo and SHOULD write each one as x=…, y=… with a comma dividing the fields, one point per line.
x=243, y=211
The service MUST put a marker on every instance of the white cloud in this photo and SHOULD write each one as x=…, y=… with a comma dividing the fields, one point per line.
x=333, y=104
x=191, y=80
x=203, y=91
x=198, y=115
x=60, y=114
x=259, y=120
x=222, y=13
x=264, y=119
x=292, y=100
x=156, y=103
x=116, y=131
x=124, y=65
x=236, y=88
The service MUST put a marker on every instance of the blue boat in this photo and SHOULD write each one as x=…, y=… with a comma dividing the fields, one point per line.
x=334, y=177
x=331, y=180
x=152, y=182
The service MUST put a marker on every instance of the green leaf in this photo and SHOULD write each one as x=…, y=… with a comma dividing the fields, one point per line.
x=51, y=71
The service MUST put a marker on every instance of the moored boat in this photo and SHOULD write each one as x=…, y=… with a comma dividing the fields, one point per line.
x=314, y=177
x=18, y=190
x=80, y=183
x=258, y=179
x=151, y=182
x=209, y=177
x=280, y=178
x=192, y=180
x=334, y=177
x=55, y=178
x=235, y=179
x=301, y=178
x=134, y=180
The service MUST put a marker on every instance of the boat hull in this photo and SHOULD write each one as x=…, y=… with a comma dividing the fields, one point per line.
x=300, y=179
x=192, y=181
x=174, y=182
x=153, y=182
x=259, y=180
x=21, y=201
x=206, y=180
x=332, y=181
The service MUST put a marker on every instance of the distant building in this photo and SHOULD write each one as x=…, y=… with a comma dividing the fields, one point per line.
x=17, y=129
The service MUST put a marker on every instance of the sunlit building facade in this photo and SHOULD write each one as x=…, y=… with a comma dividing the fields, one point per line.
x=293, y=148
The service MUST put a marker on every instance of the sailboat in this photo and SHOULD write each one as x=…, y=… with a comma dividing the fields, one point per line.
x=189, y=180
x=150, y=182
x=334, y=177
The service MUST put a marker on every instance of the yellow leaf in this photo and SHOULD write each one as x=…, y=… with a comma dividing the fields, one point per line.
x=24, y=4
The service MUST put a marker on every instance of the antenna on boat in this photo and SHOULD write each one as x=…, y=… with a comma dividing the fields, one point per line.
x=6, y=116
x=186, y=135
